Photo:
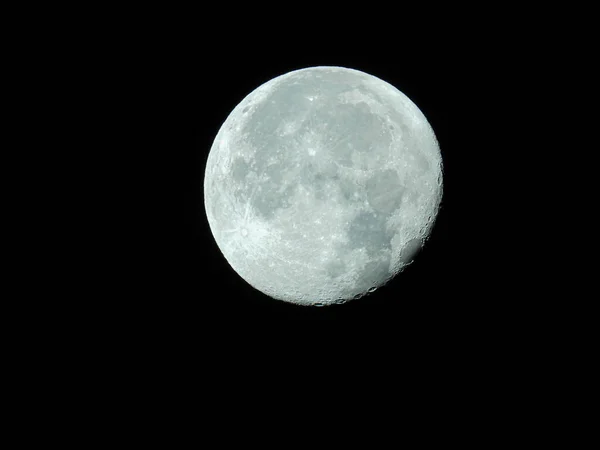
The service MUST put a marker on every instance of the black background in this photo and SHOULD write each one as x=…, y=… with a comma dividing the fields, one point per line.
x=166, y=301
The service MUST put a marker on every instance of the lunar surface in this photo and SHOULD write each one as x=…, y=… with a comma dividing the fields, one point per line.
x=322, y=185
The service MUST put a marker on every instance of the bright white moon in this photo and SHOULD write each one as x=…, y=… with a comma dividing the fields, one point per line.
x=322, y=185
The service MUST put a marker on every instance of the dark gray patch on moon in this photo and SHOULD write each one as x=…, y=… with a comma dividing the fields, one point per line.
x=239, y=169
x=368, y=230
x=351, y=191
x=273, y=194
x=335, y=269
x=385, y=191
x=271, y=199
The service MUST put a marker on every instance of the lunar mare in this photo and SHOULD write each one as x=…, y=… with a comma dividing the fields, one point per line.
x=322, y=185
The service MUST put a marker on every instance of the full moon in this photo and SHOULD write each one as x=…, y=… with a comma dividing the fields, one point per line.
x=322, y=185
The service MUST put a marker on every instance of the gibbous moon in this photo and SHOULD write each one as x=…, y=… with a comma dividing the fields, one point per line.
x=322, y=185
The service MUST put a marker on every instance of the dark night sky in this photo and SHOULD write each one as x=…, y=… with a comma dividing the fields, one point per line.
x=162, y=292
x=165, y=294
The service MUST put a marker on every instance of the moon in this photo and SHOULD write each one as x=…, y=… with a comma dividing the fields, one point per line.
x=322, y=185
